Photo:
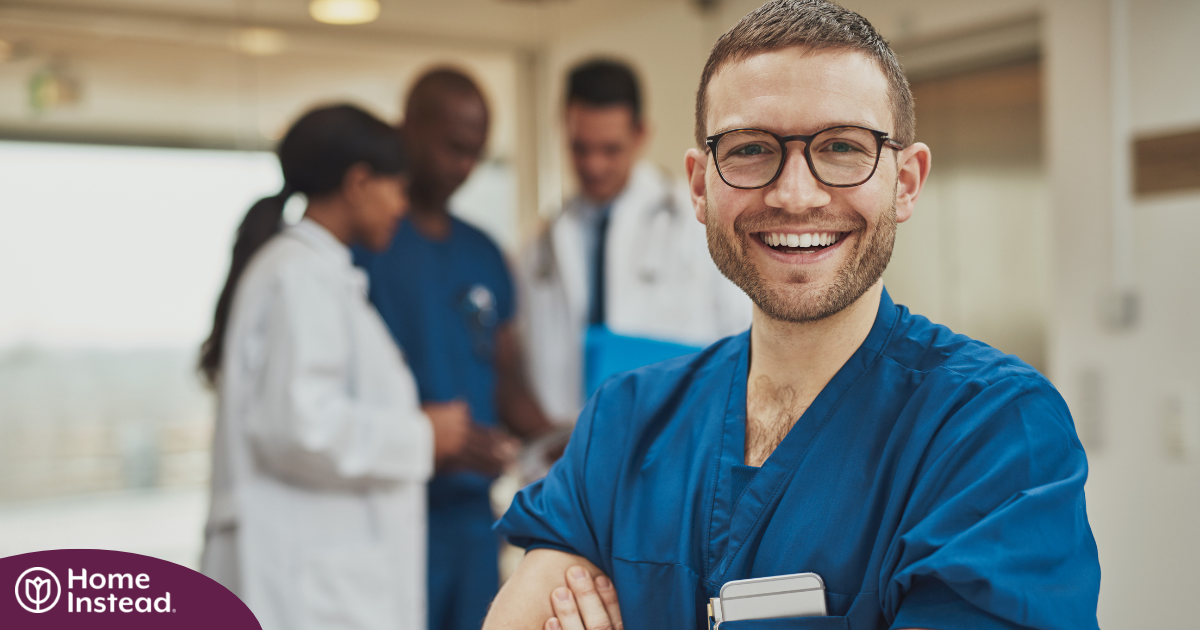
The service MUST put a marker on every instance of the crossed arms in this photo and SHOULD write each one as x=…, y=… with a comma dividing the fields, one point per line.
x=553, y=590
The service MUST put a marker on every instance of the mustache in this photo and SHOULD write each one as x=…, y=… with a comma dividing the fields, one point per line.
x=770, y=219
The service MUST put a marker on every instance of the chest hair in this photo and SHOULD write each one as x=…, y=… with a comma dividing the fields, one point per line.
x=771, y=411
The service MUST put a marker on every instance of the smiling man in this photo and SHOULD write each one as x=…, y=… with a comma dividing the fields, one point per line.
x=930, y=480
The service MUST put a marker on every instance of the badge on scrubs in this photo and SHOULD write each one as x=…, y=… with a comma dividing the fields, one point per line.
x=478, y=308
x=775, y=597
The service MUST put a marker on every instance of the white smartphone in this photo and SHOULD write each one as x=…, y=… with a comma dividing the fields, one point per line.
x=778, y=596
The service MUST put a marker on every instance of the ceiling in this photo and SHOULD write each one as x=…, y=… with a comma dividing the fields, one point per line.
x=472, y=23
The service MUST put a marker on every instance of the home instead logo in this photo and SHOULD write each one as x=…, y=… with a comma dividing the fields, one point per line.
x=38, y=590
x=93, y=588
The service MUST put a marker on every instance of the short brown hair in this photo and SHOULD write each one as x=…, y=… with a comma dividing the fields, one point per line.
x=815, y=24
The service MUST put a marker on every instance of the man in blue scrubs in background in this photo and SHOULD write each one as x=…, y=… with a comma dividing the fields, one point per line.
x=445, y=292
x=930, y=480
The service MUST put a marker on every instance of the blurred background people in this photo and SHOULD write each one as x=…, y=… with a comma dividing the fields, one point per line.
x=622, y=278
x=321, y=451
x=447, y=296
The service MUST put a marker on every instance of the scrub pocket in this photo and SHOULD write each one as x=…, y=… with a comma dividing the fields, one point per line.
x=348, y=587
x=658, y=582
x=789, y=623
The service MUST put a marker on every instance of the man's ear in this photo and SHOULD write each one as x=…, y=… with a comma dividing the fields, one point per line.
x=696, y=164
x=912, y=169
x=641, y=135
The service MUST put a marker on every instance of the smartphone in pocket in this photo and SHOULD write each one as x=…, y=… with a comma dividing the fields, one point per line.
x=774, y=597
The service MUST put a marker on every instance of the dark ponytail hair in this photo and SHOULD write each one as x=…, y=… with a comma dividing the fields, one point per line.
x=314, y=156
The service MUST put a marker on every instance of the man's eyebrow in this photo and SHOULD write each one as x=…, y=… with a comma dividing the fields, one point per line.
x=815, y=128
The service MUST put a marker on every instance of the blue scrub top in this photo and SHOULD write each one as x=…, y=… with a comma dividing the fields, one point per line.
x=442, y=301
x=933, y=483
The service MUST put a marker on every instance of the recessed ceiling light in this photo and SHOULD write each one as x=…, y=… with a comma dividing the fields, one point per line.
x=344, y=11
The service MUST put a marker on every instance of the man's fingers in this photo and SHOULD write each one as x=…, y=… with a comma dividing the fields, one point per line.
x=608, y=595
x=587, y=599
x=566, y=614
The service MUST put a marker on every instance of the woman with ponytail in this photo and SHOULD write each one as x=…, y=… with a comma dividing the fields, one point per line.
x=321, y=451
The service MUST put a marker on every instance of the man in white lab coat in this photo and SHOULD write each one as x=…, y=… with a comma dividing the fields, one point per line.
x=622, y=277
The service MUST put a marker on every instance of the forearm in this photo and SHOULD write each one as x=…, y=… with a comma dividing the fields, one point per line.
x=521, y=413
x=524, y=601
x=519, y=408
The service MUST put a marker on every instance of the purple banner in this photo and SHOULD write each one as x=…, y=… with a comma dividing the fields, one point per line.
x=94, y=588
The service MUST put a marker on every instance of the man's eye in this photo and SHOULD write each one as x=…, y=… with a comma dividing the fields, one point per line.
x=839, y=146
x=750, y=149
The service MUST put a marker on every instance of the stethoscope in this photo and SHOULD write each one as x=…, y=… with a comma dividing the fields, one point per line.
x=649, y=249
x=651, y=252
x=478, y=308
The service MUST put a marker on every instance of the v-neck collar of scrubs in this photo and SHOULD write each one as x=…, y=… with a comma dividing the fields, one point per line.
x=444, y=242
x=734, y=518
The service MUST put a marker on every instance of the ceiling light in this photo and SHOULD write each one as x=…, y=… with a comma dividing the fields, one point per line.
x=259, y=41
x=344, y=11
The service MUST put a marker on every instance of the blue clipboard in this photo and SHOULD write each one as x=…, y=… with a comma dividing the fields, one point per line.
x=607, y=353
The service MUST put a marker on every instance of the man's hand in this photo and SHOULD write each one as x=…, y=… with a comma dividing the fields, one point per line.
x=460, y=444
x=451, y=428
x=589, y=604
x=486, y=450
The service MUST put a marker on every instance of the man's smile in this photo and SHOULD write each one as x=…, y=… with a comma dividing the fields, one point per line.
x=804, y=246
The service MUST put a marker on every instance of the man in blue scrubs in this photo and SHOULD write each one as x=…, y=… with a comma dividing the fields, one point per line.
x=445, y=292
x=930, y=480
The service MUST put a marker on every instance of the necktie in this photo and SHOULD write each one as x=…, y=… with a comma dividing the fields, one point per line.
x=596, y=308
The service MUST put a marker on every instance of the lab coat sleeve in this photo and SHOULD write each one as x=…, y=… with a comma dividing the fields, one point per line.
x=995, y=532
x=316, y=429
x=557, y=511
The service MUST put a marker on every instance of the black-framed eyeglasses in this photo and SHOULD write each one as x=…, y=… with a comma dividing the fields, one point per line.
x=840, y=157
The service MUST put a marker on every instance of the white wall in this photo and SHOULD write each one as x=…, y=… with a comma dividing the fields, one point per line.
x=1144, y=498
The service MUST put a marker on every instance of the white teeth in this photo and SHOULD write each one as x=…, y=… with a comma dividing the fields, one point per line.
x=811, y=239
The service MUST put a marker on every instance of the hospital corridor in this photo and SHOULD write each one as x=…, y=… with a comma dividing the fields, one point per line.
x=585, y=314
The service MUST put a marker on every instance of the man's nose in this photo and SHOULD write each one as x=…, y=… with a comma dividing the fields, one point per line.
x=797, y=189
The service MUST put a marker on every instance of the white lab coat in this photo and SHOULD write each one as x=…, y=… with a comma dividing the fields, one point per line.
x=321, y=452
x=660, y=283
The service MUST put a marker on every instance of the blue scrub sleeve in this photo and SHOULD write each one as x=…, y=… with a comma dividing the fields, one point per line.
x=555, y=512
x=995, y=531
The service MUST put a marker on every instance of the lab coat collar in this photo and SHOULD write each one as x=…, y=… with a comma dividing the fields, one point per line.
x=644, y=184
x=330, y=248
x=316, y=236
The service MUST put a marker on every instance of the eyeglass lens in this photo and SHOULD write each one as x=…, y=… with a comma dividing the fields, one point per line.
x=842, y=156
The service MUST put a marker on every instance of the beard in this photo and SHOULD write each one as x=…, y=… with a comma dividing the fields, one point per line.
x=796, y=300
